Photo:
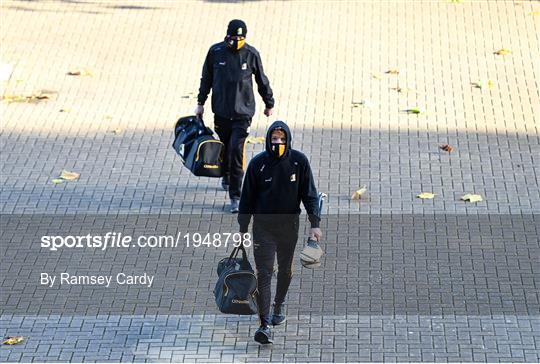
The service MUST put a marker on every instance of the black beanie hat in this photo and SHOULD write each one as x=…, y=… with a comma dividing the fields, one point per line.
x=237, y=27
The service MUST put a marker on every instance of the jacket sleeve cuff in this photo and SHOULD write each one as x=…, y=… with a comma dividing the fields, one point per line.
x=314, y=221
x=243, y=221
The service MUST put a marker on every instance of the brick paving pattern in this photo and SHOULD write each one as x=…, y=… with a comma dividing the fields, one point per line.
x=143, y=62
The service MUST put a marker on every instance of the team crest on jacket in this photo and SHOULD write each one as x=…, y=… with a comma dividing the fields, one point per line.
x=293, y=177
x=244, y=66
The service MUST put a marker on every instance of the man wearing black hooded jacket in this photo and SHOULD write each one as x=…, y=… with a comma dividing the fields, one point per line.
x=276, y=181
x=228, y=71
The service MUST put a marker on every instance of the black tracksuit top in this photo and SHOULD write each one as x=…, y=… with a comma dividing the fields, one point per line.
x=277, y=186
x=229, y=74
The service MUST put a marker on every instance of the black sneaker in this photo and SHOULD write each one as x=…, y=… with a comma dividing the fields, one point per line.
x=263, y=335
x=278, y=316
x=225, y=183
x=234, y=205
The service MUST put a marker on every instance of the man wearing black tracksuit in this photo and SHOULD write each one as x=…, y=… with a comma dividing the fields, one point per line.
x=276, y=181
x=228, y=70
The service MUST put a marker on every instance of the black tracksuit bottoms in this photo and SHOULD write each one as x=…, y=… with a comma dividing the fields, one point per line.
x=270, y=240
x=233, y=134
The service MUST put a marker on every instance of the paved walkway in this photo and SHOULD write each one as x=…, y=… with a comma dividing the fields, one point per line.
x=404, y=279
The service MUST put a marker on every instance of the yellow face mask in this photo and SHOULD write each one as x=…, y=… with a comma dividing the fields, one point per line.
x=278, y=150
x=235, y=42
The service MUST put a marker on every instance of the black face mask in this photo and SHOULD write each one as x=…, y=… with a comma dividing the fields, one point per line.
x=235, y=43
x=278, y=149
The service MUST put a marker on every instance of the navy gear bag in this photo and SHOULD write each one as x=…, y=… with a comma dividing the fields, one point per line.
x=236, y=288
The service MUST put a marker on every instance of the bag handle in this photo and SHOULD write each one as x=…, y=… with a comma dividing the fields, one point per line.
x=235, y=252
x=199, y=119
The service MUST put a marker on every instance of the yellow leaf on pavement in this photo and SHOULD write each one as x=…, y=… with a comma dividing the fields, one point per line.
x=358, y=193
x=255, y=140
x=13, y=340
x=502, y=52
x=79, y=73
x=69, y=176
x=414, y=110
x=472, y=198
x=14, y=98
x=426, y=195
x=57, y=181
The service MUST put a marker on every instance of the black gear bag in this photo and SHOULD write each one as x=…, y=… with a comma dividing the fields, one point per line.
x=236, y=288
x=200, y=152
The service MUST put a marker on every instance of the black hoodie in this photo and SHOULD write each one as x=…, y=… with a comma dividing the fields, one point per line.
x=277, y=185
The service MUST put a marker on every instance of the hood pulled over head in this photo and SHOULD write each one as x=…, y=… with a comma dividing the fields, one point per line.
x=278, y=150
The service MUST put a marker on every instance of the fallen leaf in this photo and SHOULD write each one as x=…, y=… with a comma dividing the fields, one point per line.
x=403, y=90
x=456, y=1
x=392, y=72
x=358, y=193
x=414, y=110
x=535, y=13
x=65, y=110
x=376, y=76
x=79, y=73
x=69, y=176
x=34, y=98
x=471, y=198
x=108, y=117
x=185, y=97
x=365, y=103
x=483, y=84
x=502, y=52
x=426, y=195
x=57, y=181
x=255, y=140
x=14, y=98
x=117, y=131
x=446, y=148
x=13, y=340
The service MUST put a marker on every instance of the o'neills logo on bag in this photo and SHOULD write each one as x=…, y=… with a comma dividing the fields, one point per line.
x=244, y=302
x=210, y=166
